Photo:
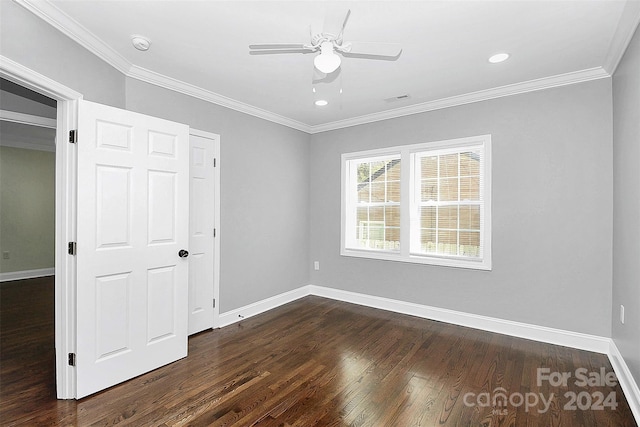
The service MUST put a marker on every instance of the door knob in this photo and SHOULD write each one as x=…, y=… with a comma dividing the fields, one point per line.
x=182, y=253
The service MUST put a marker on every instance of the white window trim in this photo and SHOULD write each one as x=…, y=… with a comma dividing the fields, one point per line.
x=406, y=197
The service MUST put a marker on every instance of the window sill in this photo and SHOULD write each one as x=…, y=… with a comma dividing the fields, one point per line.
x=484, y=264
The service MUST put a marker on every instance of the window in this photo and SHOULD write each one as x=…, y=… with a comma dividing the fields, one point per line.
x=424, y=203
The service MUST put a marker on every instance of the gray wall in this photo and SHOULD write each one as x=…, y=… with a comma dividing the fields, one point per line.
x=626, y=205
x=552, y=210
x=35, y=44
x=265, y=180
x=20, y=104
x=264, y=194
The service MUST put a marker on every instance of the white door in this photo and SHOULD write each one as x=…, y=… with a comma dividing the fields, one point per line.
x=201, y=233
x=133, y=212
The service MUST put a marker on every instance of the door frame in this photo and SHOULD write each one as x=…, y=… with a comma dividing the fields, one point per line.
x=65, y=221
x=216, y=220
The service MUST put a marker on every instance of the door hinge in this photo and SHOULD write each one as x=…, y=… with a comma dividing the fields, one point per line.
x=214, y=232
x=72, y=359
x=214, y=303
x=73, y=136
x=214, y=162
x=72, y=248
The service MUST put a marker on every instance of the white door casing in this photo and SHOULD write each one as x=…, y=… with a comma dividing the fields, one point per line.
x=132, y=219
x=202, y=198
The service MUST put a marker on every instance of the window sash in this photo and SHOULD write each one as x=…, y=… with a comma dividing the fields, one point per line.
x=355, y=239
x=435, y=245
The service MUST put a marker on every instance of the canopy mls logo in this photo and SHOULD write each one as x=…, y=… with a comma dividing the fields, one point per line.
x=500, y=400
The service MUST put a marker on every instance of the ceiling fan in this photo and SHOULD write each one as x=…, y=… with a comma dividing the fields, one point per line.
x=330, y=43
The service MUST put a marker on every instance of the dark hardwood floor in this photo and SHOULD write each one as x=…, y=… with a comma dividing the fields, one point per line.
x=313, y=362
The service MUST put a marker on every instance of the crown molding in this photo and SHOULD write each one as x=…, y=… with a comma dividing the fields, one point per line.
x=468, y=98
x=68, y=26
x=170, y=83
x=625, y=30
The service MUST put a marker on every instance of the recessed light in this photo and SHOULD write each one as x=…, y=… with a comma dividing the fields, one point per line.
x=140, y=42
x=499, y=57
x=321, y=102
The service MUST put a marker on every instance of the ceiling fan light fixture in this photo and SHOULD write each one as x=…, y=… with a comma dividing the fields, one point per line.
x=327, y=62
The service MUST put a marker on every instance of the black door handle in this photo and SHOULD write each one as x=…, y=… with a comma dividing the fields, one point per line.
x=182, y=253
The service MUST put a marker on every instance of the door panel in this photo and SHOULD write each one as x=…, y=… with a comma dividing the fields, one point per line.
x=201, y=241
x=133, y=212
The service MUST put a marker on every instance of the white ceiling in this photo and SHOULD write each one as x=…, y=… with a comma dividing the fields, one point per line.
x=201, y=48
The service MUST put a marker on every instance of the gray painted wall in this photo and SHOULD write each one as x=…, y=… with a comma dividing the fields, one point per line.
x=265, y=180
x=264, y=194
x=626, y=205
x=35, y=44
x=552, y=210
x=12, y=102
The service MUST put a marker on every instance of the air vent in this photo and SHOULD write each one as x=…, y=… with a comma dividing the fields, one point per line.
x=397, y=98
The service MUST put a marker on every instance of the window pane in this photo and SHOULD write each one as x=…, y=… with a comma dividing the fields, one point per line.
x=428, y=240
x=470, y=217
x=393, y=191
x=429, y=167
x=449, y=189
x=362, y=214
x=448, y=217
x=363, y=193
x=363, y=172
x=447, y=242
x=393, y=170
x=392, y=216
x=429, y=190
x=449, y=165
x=428, y=217
x=377, y=170
x=469, y=163
x=470, y=188
x=377, y=191
x=470, y=243
x=376, y=214
x=392, y=238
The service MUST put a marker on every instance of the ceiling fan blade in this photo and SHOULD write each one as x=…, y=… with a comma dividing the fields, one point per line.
x=277, y=51
x=273, y=46
x=334, y=21
x=372, y=49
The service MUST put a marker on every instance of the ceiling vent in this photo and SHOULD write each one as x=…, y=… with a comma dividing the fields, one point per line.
x=397, y=98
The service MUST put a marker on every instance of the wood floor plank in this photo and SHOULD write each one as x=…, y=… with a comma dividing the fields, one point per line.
x=313, y=362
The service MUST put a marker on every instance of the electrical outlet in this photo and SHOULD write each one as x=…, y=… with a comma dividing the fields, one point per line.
x=622, y=314
x=316, y=265
x=5, y=255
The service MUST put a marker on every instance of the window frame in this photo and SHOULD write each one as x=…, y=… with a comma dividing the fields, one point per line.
x=409, y=205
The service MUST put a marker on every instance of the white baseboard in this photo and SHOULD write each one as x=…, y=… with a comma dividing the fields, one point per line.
x=491, y=324
x=571, y=339
x=626, y=380
x=233, y=316
x=26, y=274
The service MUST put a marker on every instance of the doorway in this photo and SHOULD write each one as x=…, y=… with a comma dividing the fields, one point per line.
x=27, y=226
